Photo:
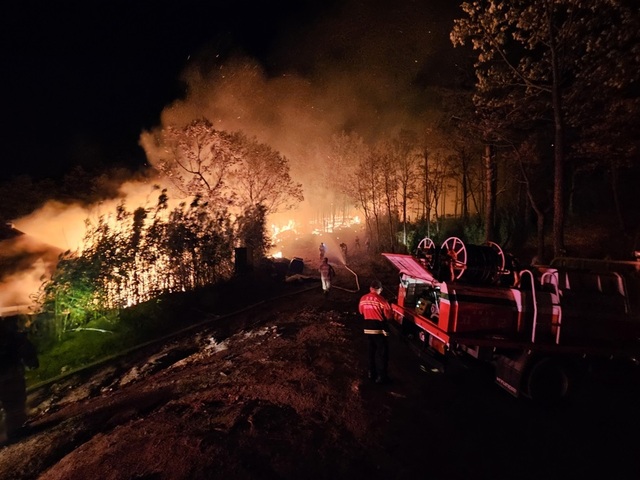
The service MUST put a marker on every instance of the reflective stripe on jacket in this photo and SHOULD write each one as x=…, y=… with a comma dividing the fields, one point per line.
x=375, y=310
x=327, y=271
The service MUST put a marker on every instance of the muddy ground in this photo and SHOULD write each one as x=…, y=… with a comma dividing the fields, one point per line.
x=278, y=391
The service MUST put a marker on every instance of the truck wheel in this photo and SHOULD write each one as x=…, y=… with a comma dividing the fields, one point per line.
x=549, y=381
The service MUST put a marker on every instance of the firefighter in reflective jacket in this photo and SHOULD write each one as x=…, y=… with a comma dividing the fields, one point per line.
x=376, y=312
x=16, y=353
x=326, y=275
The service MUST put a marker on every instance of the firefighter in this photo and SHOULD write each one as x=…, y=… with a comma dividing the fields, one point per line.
x=376, y=311
x=16, y=353
x=326, y=275
x=323, y=250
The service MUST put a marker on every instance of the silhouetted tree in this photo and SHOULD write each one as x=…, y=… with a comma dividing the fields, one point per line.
x=227, y=170
x=534, y=59
x=197, y=159
x=405, y=154
x=262, y=177
x=252, y=232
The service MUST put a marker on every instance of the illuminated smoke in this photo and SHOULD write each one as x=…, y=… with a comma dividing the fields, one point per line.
x=30, y=258
x=62, y=225
x=26, y=262
x=336, y=75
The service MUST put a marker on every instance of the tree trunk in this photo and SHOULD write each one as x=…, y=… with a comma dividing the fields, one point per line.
x=490, y=192
x=540, y=214
x=427, y=201
x=464, y=207
x=540, y=234
x=404, y=214
x=558, y=183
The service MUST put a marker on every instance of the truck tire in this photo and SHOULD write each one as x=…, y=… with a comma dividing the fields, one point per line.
x=549, y=381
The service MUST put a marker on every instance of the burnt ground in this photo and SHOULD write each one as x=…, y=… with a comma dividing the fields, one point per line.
x=277, y=391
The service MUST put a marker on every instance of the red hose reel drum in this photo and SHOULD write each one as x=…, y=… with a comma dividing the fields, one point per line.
x=455, y=260
x=472, y=263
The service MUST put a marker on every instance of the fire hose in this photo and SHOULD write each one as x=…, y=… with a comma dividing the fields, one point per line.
x=357, y=282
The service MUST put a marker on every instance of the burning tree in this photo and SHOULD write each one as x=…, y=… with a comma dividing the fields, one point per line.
x=229, y=171
x=197, y=159
x=262, y=177
x=225, y=169
x=132, y=257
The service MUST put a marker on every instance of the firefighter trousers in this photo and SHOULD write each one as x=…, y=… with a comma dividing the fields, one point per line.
x=13, y=399
x=378, y=356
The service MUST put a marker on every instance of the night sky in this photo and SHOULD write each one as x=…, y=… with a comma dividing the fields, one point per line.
x=82, y=79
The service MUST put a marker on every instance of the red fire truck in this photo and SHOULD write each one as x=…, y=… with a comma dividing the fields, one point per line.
x=539, y=328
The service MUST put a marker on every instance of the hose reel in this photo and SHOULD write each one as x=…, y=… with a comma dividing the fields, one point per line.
x=455, y=260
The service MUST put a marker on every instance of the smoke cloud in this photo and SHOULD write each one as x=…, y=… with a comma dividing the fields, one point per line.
x=362, y=67
x=25, y=262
